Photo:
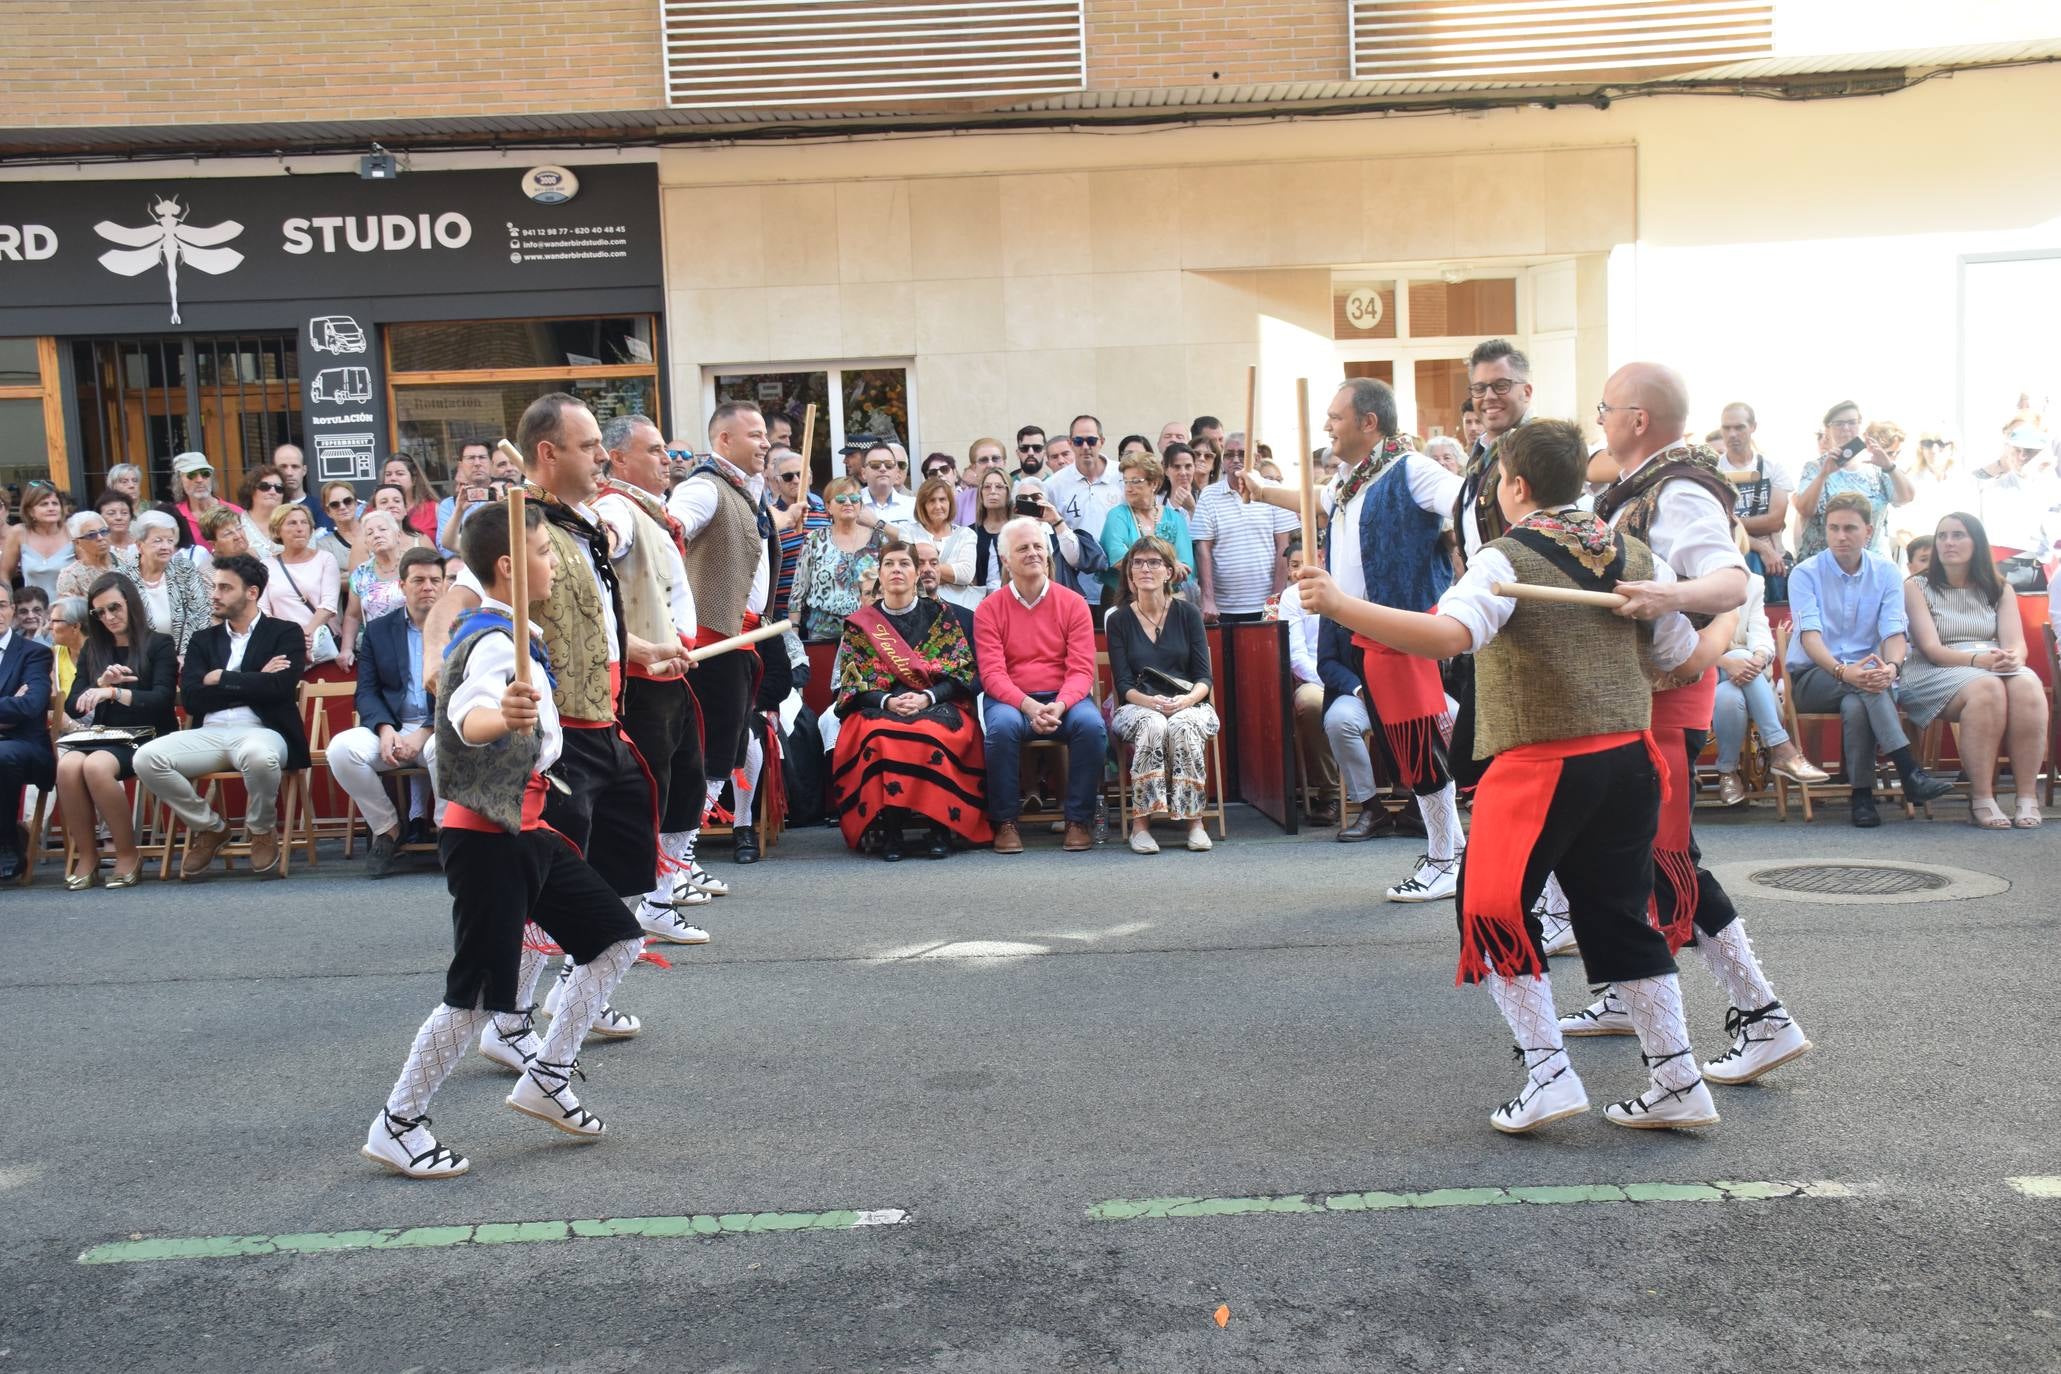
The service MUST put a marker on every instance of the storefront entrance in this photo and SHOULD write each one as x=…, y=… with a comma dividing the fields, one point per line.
x=143, y=400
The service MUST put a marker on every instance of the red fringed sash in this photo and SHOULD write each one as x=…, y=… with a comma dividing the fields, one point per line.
x=1410, y=700
x=1674, y=712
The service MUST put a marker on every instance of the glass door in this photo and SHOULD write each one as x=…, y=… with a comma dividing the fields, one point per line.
x=872, y=400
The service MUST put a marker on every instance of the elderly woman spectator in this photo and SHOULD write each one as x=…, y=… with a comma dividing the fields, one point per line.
x=118, y=509
x=1159, y=666
x=418, y=498
x=1140, y=514
x=837, y=565
x=264, y=491
x=391, y=500
x=936, y=502
x=303, y=582
x=127, y=479
x=91, y=554
x=340, y=537
x=1968, y=666
x=223, y=535
x=375, y=585
x=909, y=752
x=67, y=637
x=1746, y=689
x=176, y=596
x=127, y=681
x=36, y=550
x=1851, y=462
x=1445, y=450
x=986, y=572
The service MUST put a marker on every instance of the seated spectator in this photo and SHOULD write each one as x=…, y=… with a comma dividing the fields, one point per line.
x=985, y=572
x=837, y=565
x=375, y=584
x=1869, y=472
x=127, y=681
x=339, y=538
x=1918, y=556
x=936, y=500
x=909, y=750
x=118, y=509
x=1968, y=666
x=34, y=552
x=1746, y=688
x=1239, y=546
x=302, y=582
x=241, y=689
x=396, y=713
x=1303, y=634
x=32, y=614
x=1848, y=654
x=1035, y=645
x=263, y=493
x=1159, y=667
x=67, y=638
x=2018, y=495
x=26, y=758
x=92, y=553
x=1141, y=513
x=175, y=593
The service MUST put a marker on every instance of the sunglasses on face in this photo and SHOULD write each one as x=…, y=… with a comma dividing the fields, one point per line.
x=789, y=476
x=1087, y=441
x=1028, y=448
x=846, y=500
x=103, y=612
x=198, y=475
x=95, y=534
x=338, y=504
x=1935, y=443
x=270, y=486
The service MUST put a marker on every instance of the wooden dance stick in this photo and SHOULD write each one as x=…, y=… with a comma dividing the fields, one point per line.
x=1530, y=591
x=519, y=581
x=1251, y=437
x=1309, y=467
x=808, y=451
x=724, y=646
x=1739, y=477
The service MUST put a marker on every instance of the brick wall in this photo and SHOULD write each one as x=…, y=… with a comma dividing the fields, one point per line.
x=127, y=62
x=1141, y=44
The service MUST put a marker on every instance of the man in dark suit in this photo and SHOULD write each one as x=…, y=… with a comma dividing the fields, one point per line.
x=26, y=756
x=241, y=689
x=395, y=711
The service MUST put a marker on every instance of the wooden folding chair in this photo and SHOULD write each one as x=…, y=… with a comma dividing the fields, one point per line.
x=1794, y=721
x=293, y=791
x=1123, y=769
x=315, y=697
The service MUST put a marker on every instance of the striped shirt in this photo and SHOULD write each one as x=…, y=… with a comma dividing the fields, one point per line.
x=1242, y=557
x=790, y=551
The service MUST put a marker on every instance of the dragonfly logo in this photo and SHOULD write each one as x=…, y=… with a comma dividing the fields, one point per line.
x=170, y=240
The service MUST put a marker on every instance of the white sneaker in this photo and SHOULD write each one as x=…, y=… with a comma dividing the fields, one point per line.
x=1779, y=1040
x=545, y=1092
x=1434, y=880
x=554, y=996
x=667, y=927
x=1604, y=1016
x=616, y=1025
x=1198, y=838
x=1538, y=1103
x=1660, y=1109
x=1143, y=843
x=686, y=894
x=1556, y=932
x=701, y=880
x=513, y=1053
x=407, y=1148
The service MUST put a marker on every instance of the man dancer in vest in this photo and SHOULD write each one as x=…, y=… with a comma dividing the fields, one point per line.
x=1385, y=511
x=1673, y=496
x=727, y=530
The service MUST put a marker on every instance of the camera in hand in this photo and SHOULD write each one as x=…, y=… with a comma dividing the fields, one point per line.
x=1029, y=505
x=1853, y=448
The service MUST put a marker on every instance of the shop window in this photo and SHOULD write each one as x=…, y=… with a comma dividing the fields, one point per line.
x=433, y=422
x=142, y=401
x=871, y=401
x=31, y=417
x=493, y=345
x=24, y=448
x=18, y=363
x=1441, y=391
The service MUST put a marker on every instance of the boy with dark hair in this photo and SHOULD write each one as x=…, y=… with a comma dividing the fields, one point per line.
x=1564, y=705
x=504, y=866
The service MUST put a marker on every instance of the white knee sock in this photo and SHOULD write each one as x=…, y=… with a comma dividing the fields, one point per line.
x=438, y=1047
x=1655, y=1007
x=532, y=965
x=1527, y=1004
x=586, y=995
x=1441, y=812
x=754, y=760
x=1731, y=959
x=1554, y=899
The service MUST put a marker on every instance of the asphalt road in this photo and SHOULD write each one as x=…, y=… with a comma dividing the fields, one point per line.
x=993, y=1047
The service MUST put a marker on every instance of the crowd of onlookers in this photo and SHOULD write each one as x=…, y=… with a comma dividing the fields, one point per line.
x=125, y=613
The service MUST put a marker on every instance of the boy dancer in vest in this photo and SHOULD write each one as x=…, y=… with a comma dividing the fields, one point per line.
x=1671, y=495
x=504, y=867
x=1385, y=513
x=1562, y=708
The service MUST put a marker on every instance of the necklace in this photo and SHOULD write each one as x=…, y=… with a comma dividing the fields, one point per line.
x=1138, y=609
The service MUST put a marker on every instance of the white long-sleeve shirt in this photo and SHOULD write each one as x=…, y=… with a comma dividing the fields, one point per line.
x=617, y=512
x=1484, y=614
x=1432, y=488
x=693, y=504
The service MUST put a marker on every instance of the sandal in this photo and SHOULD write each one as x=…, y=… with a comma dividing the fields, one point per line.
x=2029, y=815
x=1985, y=814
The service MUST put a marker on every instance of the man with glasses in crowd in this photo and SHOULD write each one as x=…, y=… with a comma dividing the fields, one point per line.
x=1030, y=453
x=26, y=756
x=468, y=493
x=886, y=501
x=793, y=518
x=1241, y=547
x=1086, y=492
x=196, y=479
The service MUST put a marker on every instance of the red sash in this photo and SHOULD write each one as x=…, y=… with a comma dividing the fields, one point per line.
x=705, y=636
x=1675, y=711
x=615, y=693
x=1409, y=699
x=458, y=816
x=909, y=668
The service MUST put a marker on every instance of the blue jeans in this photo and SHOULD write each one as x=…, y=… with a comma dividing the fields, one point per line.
x=1728, y=721
x=1080, y=730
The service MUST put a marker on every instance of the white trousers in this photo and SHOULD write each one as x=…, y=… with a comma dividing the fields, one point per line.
x=355, y=763
x=168, y=763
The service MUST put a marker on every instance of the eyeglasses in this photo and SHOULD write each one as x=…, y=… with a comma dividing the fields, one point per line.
x=192, y=474
x=270, y=486
x=846, y=500
x=1136, y=482
x=1148, y=564
x=1500, y=386
x=100, y=533
x=102, y=612
x=939, y=471
x=339, y=503
x=1935, y=443
x=1854, y=423
x=1028, y=448
x=787, y=476
x=1603, y=410
x=1087, y=441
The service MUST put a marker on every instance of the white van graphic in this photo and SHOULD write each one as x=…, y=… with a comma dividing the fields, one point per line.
x=335, y=334
x=342, y=384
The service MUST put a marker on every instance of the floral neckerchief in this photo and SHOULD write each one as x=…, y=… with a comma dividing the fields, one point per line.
x=1586, y=539
x=1367, y=469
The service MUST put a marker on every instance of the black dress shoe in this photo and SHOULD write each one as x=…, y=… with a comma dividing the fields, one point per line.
x=891, y=845
x=1921, y=786
x=11, y=865
x=1373, y=822
x=1324, y=817
x=1865, y=815
x=940, y=846
x=747, y=844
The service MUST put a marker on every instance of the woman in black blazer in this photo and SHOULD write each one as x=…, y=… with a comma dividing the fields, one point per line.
x=128, y=678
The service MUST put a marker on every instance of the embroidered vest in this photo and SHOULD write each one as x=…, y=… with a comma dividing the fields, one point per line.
x=1561, y=671
x=723, y=559
x=1631, y=505
x=646, y=573
x=1399, y=555
x=574, y=625
x=486, y=778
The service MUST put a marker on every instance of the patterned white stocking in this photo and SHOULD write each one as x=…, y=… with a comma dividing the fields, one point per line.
x=531, y=965
x=1731, y=959
x=585, y=998
x=1527, y=1004
x=754, y=760
x=1554, y=898
x=1655, y=1008
x=1441, y=812
x=438, y=1047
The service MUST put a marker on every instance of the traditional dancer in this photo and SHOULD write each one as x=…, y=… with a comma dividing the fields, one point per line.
x=504, y=866
x=1673, y=496
x=729, y=563
x=1574, y=785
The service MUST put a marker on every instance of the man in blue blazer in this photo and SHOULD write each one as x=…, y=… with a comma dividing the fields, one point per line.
x=26, y=756
x=395, y=710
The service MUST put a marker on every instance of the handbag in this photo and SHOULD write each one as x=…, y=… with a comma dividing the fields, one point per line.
x=91, y=736
x=2023, y=573
x=322, y=649
x=1164, y=684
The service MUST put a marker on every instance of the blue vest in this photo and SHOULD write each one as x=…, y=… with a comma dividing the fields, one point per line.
x=1399, y=555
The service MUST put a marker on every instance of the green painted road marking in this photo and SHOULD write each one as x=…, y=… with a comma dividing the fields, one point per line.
x=1163, y=1208
x=485, y=1233
x=2037, y=1186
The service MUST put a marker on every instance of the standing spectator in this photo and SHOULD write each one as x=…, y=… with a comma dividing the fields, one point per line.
x=468, y=493
x=883, y=496
x=223, y=531
x=175, y=592
x=1968, y=666
x=1159, y=668
x=982, y=455
x=128, y=678
x=1030, y=452
x=1443, y=449
x=2018, y=495
x=936, y=502
x=339, y=538
x=1763, y=504
x=26, y=758
x=418, y=499
x=1171, y=433
x=1939, y=486
x=1087, y=492
x=375, y=585
x=832, y=578
x=1866, y=470
x=1141, y=514
x=1130, y=444
x=1206, y=432
x=264, y=492
x=794, y=520
x=36, y=550
x=293, y=470
x=91, y=554
x=1240, y=546
x=302, y=583
x=986, y=572
x=1177, y=462
x=1059, y=457
x=1848, y=654
x=1034, y=642
x=390, y=499
x=241, y=689
x=1746, y=689
x=196, y=479
x=118, y=509
x=127, y=479
x=395, y=711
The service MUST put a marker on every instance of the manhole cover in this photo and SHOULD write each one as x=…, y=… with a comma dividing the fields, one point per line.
x=1849, y=881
